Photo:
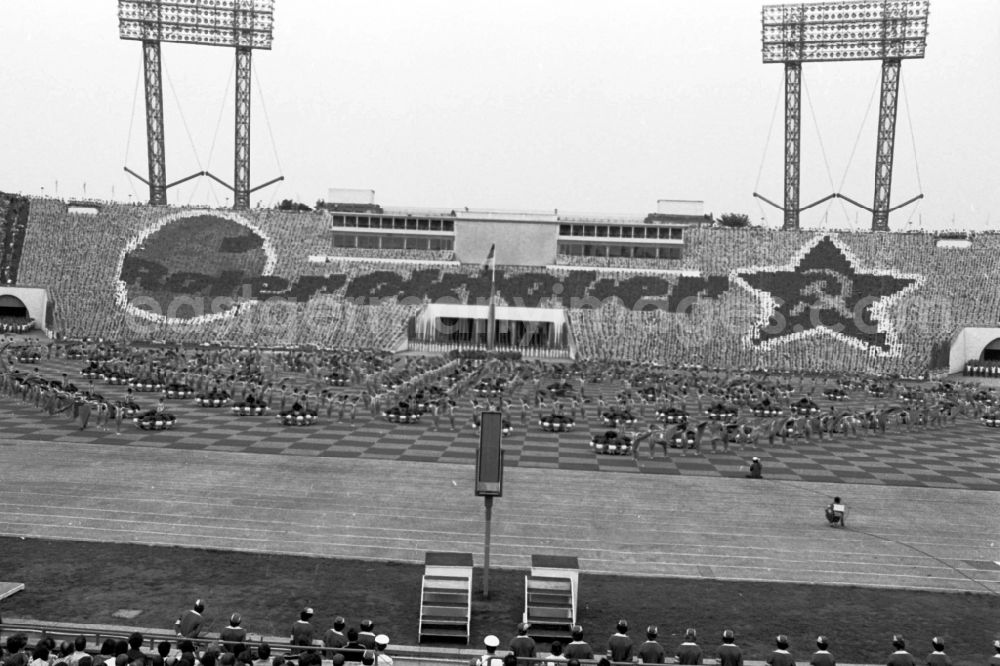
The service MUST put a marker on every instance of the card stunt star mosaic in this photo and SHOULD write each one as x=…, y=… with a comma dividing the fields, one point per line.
x=823, y=292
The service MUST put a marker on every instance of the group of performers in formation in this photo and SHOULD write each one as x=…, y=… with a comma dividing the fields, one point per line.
x=678, y=407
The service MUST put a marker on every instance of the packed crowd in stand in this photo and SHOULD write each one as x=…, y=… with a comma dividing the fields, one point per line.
x=633, y=315
x=13, y=223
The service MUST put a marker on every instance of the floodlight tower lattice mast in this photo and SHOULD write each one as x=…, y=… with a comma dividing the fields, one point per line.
x=152, y=75
x=243, y=24
x=886, y=30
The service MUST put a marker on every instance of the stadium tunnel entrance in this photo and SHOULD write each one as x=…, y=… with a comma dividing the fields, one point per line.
x=974, y=344
x=31, y=303
x=991, y=352
x=12, y=306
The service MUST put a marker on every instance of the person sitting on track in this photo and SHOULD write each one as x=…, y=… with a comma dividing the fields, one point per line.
x=835, y=513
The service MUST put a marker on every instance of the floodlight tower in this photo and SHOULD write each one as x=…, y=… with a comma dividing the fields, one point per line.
x=886, y=30
x=243, y=24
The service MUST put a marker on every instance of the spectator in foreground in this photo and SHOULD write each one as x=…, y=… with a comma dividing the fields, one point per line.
x=188, y=653
x=263, y=655
x=190, y=622
x=233, y=634
x=900, y=657
x=15, y=648
x=578, y=648
x=781, y=656
x=334, y=637
x=107, y=654
x=651, y=652
x=381, y=658
x=79, y=651
x=490, y=658
x=302, y=630
x=162, y=656
x=689, y=652
x=522, y=645
x=40, y=655
x=729, y=652
x=135, y=653
x=822, y=656
x=352, y=640
x=620, y=646
x=556, y=656
x=367, y=634
x=938, y=657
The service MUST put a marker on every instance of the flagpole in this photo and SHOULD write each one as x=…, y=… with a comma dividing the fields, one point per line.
x=491, y=320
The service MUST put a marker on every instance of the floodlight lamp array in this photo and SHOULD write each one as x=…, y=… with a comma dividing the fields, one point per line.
x=244, y=23
x=829, y=31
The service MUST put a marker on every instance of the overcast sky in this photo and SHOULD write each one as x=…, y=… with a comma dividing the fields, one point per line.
x=580, y=105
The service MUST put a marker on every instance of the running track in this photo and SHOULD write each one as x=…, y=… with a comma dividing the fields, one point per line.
x=926, y=520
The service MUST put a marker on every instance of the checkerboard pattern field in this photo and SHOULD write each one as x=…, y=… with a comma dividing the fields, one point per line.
x=961, y=456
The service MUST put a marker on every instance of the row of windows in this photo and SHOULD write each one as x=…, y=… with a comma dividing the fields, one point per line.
x=616, y=231
x=389, y=242
x=386, y=222
x=626, y=251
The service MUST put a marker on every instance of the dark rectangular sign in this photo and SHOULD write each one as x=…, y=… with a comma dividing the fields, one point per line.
x=489, y=457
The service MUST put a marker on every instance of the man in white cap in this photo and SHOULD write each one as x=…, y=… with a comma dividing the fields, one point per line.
x=995, y=659
x=381, y=658
x=522, y=645
x=490, y=658
x=756, y=469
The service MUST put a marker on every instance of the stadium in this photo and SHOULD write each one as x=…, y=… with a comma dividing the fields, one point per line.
x=275, y=410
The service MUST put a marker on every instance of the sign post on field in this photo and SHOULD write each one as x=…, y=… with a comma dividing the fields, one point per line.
x=489, y=479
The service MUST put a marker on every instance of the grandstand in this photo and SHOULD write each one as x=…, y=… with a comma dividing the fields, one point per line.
x=247, y=278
